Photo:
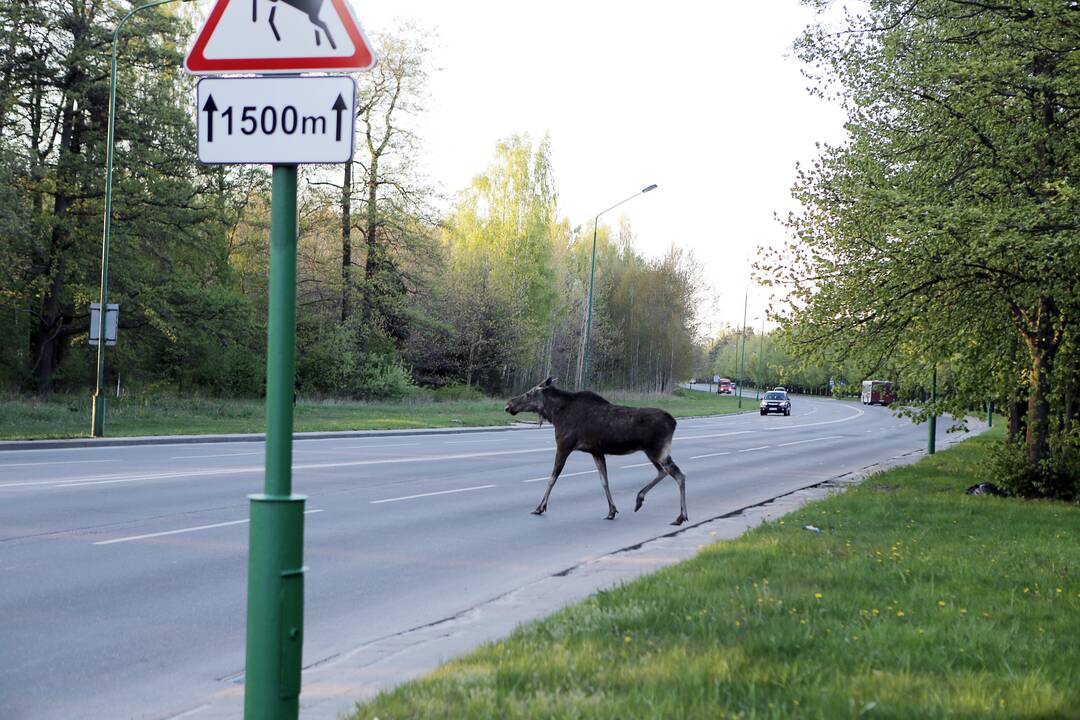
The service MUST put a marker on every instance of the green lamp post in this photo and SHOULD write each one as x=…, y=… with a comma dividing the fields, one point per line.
x=97, y=424
x=583, y=372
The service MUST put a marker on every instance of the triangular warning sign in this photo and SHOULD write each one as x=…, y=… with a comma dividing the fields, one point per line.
x=279, y=36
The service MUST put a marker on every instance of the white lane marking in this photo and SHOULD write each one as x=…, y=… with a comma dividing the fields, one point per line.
x=715, y=435
x=348, y=447
x=695, y=457
x=185, y=530
x=195, y=457
x=467, y=442
x=429, y=494
x=626, y=467
x=763, y=447
x=548, y=477
x=111, y=479
x=800, y=442
x=57, y=462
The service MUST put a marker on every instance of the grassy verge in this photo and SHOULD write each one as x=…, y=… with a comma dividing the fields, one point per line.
x=914, y=601
x=69, y=416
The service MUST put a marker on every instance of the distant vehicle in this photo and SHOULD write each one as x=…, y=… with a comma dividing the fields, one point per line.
x=780, y=389
x=725, y=386
x=877, y=392
x=775, y=401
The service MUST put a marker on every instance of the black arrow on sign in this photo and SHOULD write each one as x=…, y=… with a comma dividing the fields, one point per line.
x=339, y=106
x=209, y=108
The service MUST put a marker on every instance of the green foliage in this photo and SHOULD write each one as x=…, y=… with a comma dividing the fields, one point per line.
x=942, y=232
x=1057, y=476
x=332, y=362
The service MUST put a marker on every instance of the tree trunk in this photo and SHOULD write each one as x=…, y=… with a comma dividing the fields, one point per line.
x=346, y=243
x=1042, y=348
x=371, y=238
x=46, y=337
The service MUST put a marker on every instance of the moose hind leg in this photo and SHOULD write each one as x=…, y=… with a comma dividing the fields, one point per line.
x=601, y=467
x=680, y=478
x=560, y=460
x=661, y=473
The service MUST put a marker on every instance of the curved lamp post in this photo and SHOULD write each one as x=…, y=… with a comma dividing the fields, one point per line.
x=97, y=428
x=583, y=369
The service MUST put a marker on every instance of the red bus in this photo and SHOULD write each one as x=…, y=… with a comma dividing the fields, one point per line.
x=877, y=392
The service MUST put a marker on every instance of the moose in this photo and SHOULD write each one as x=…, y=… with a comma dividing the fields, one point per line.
x=587, y=422
x=311, y=8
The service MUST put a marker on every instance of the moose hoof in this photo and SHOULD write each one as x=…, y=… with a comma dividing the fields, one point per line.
x=612, y=513
x=680, y=520
x=640, y=502
x=539, y=511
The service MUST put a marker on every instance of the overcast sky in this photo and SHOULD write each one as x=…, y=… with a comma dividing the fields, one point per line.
x=703, y=98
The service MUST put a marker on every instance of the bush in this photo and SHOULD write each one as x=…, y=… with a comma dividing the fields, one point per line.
x=450, y=393
x=1057, y=477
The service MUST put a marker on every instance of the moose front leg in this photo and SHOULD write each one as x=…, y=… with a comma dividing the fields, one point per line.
x=560, y=460
x=601, y=467
x=661, y=473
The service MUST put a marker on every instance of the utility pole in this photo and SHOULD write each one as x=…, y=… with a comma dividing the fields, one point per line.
x=742, y=332
x=931, y=442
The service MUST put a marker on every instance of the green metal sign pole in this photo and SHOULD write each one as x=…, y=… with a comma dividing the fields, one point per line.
x=932, y=441
x=275, y=609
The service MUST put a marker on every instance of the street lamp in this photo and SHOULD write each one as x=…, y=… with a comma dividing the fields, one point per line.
x=97, y=423
x=583, y=368
x=761, y=359
x=742, y=334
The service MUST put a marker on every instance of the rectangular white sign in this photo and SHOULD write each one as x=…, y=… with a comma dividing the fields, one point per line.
x=276, y=120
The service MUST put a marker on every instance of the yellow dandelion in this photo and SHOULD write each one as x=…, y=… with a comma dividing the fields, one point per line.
x=899, y=613
x=963, y=611
x=818, y=596
x=626, y=638
x=875, y=611
x=941, y=603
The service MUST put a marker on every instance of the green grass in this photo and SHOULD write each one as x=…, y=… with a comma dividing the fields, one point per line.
x=915, y=601
x=69, y=416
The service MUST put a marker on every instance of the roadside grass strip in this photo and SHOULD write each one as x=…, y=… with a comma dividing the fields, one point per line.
x=69, y=416
x=913, y=601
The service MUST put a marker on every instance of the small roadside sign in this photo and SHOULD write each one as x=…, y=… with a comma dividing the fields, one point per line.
x=276, y=120
x=268, y=36
x=112, y=321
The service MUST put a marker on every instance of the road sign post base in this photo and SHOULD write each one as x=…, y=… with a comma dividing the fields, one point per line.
x=97, y=414
x=275, y=600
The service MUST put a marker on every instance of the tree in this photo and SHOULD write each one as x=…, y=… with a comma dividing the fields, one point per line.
x=943, y=231
x=168, y=240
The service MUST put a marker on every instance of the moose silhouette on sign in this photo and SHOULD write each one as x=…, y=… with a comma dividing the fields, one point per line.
x=311, y=8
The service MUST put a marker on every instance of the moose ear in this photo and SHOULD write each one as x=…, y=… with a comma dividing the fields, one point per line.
x=547, y=382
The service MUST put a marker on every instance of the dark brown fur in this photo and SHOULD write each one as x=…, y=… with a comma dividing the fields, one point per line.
x=587, y=422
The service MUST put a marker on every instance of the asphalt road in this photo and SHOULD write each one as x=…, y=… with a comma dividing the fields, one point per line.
x=123, y=569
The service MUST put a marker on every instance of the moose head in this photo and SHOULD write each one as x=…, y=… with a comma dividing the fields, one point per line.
x=530, y=400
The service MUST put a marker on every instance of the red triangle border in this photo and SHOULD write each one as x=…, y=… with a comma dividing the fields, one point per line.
x=198, y=64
